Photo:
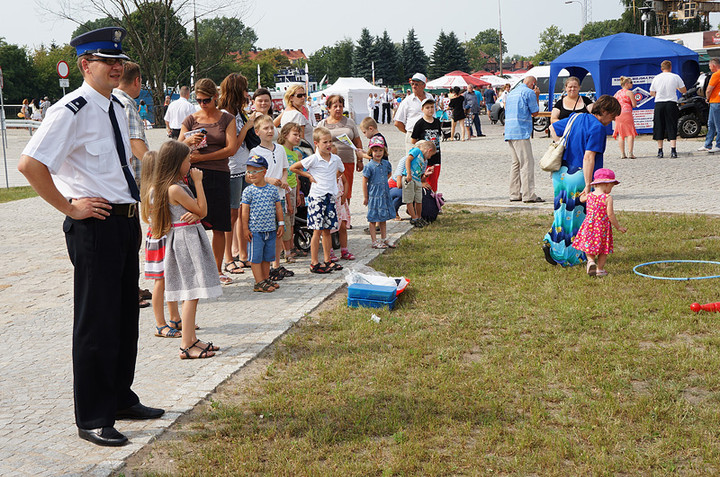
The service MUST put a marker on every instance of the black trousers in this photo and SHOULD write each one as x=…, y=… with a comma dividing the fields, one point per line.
x=376, y=114
x=386, y=113
x=174, y=133
x=104, y=254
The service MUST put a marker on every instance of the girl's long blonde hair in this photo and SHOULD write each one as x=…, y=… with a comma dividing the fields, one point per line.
x=168, y=164
x=146, y=181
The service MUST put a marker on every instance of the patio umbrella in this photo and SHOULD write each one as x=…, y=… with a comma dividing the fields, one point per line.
x=455, y=78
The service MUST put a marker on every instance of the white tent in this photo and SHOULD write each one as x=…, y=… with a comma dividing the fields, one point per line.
x=355, y=91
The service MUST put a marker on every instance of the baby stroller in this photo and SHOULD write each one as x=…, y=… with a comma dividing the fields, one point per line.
x=445, y=125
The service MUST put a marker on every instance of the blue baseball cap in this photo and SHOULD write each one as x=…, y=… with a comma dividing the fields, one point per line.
x=257, y=161
x=103, y=42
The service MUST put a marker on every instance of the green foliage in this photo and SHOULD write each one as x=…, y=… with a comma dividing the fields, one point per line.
x=448, y=55
x=414, y=59
x=485, y=45
x=334, y=61
x=552, y=44
x=18, y=73
x=387, y=59
x=45, y=79
x=270, y=61
x=216, y=38
x=363, y=55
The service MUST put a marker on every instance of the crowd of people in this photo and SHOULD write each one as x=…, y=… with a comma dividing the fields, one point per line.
x=234, y=168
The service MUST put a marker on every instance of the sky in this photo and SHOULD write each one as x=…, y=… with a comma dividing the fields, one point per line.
x=277, y=25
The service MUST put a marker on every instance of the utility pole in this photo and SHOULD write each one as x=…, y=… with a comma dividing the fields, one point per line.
x=500, y=39
x=197, y=48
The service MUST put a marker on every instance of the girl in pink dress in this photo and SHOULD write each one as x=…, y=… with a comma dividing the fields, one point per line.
x=595, y=234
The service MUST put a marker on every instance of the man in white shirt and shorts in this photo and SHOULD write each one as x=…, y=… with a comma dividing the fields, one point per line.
x=665, y=118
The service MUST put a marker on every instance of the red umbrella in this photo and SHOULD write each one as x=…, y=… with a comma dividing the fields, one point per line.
x=456, y=78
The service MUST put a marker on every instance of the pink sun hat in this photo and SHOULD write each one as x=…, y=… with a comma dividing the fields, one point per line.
x=604, y=176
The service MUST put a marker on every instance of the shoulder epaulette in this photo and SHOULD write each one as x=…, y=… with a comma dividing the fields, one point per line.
x=76, y=104
x=117, y=101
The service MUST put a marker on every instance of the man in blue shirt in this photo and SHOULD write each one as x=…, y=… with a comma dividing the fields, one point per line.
x=521, y=106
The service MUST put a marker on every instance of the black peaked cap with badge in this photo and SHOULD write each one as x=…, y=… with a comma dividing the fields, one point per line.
x=103, y=42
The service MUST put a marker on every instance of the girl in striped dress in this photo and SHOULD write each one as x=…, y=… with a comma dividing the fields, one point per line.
x=155, y=256
x=190, y=269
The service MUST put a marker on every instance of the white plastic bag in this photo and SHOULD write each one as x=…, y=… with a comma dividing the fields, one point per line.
x=370, y=276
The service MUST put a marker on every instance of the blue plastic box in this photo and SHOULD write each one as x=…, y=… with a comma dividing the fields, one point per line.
x=371, y=296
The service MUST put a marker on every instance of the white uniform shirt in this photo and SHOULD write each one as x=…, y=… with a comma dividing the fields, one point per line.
x=665, y=85
x=370, y=103
x=79, y=148
x=325, y=174
x=410, y=111
x=177, y=111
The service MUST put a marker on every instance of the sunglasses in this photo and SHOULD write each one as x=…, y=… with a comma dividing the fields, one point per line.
x=204, y=101
x=109, y=61
x=300, y=95
x=252, y=173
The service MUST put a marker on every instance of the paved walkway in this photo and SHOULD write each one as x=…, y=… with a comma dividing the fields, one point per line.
x=36, y=412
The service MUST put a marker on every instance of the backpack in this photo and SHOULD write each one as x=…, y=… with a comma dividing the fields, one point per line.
x=431, y=205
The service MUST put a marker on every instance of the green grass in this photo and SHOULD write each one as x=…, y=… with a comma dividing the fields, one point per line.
x=493, y=363
x=16, y=193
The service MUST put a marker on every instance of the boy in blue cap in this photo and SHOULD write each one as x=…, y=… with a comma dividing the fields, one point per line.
x=261, y=208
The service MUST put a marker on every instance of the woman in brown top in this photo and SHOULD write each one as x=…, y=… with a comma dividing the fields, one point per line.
x=220, y=138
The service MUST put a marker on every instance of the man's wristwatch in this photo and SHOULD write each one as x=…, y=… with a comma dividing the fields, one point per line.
x=281, y=223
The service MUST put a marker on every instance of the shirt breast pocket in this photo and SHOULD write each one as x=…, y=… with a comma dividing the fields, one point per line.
x=101, y=155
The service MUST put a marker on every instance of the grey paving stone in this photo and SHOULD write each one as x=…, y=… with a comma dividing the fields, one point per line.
x=39, y=437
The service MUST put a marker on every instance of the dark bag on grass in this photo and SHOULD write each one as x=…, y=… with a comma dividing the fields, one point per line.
x=431, y=205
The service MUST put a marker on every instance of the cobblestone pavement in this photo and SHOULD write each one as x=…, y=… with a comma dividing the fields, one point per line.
x=36, y=410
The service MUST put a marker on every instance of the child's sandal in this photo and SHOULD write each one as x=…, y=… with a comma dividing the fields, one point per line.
x=389, y=244
x=333, y=267
x=378, y=244
x=319, y=268
x=346, y=255
x=263, y=287
x=285, y=272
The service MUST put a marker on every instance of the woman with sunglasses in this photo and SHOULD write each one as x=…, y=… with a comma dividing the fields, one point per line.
x=211, y=150
x=295, y=97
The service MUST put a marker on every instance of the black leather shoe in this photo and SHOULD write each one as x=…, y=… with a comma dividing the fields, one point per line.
x=139, y=411
x=103, y=436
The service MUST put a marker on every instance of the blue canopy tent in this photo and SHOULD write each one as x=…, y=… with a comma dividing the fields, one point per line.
x=626, y=54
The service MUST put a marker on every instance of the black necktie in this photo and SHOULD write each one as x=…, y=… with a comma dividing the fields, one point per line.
x=121, y=152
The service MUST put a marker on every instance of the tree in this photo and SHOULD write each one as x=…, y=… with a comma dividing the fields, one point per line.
x=45, y=78
x=552, y=44
x=485, y=45
x=363, y=55
x=386, y=64
x=156, y=34
x=17, y=73
x=414, y=59
x=270, y=61
x=334, y=61
x=448, y=55
x=216, y=38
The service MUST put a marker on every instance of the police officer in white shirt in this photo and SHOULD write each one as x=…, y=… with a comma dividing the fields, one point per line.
x=78, y=162
x=176, y=113
x=410, y=110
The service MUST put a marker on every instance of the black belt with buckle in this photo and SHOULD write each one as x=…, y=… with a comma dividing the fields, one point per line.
x=126, y=210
